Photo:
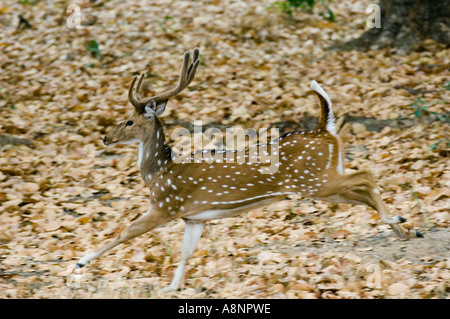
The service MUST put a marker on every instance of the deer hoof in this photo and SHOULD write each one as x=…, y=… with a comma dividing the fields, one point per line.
x=417, y=234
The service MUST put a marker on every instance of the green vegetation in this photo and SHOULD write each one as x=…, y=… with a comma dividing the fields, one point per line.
x=289, y=6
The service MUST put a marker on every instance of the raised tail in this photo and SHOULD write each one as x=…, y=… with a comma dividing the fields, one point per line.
x=326, y=119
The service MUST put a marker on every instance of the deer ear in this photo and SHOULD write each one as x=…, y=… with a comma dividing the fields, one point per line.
x=160, y=107
x=149, y=110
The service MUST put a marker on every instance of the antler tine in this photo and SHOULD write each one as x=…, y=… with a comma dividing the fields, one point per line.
x=196, y=54
x=186, y=76
x=138, y=88
x=193, y=67
x=192, y=72
x=131, y=94
x=182, y=82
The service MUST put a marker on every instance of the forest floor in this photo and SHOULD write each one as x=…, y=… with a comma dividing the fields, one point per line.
x=62, y=194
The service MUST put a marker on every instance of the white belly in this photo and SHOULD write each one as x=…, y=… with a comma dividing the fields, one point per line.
x=224, y=213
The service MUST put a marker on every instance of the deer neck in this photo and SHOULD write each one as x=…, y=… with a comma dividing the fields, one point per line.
x=154, y=153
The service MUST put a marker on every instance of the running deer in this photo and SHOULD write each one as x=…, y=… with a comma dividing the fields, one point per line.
x=310, y=164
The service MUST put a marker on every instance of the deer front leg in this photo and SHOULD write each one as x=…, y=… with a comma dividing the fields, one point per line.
x=192, y=233
x=142, y=225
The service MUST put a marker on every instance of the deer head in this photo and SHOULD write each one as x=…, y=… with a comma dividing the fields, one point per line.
x=144, y=122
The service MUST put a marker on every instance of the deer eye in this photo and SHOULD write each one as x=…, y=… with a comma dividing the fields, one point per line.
x=129, y=123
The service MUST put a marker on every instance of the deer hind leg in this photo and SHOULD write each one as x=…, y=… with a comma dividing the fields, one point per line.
x=360, y=188
x=137, y=228
x=361, y=196
x=192, y=233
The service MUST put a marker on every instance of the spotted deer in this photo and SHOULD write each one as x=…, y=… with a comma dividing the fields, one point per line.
x=310, y=164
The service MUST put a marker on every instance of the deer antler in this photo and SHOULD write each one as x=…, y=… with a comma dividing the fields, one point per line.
x=186, y=77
